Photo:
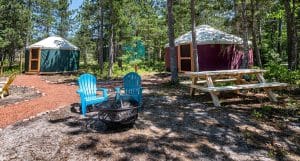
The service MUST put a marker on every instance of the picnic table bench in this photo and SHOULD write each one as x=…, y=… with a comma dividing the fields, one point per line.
x=235, y=76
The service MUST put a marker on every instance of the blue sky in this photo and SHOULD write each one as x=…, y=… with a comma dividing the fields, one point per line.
x=75, y=4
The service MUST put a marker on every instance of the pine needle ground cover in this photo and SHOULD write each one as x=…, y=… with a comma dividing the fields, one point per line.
x=172, y=126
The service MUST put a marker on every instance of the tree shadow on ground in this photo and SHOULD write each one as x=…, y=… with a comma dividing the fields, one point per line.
x=175, y=126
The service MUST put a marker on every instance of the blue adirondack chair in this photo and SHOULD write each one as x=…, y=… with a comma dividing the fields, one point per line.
x=132, y=88
x=87, y=91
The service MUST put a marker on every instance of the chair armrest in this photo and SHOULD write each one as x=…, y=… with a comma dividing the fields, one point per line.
x=104, y=90
x=80, y=92
x=118, y=89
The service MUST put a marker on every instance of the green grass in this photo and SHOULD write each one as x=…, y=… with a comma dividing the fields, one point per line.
x=143, y=68
x=118, y=72
x=9, y=70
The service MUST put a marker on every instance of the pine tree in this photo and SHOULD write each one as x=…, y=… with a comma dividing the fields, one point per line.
x=43, y=18
x=194, y=41
x=63, y=18
x=111, y=40
x=245, y=58
x=173, y=62
x=84, y=34
x=290, y=8
x=12, y=23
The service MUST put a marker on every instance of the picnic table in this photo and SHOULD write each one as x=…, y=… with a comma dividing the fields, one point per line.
x=204, y=81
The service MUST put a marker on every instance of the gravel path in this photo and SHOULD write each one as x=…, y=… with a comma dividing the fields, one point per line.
x=55, y=95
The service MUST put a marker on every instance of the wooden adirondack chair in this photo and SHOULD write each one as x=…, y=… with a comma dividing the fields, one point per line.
x=88, y=92
x=4, y=86
x=132, y=88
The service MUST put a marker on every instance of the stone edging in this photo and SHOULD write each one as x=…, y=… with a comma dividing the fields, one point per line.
x=37, y=91
x=51, y=82
x=39, y=115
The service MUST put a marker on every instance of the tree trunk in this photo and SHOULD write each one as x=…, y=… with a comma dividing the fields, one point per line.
x=298, y=35
x=11, y=55
x=272, y=33
x=111, y=41
x=20, y=59
x=245, y=58
x=85, y=56
x=120, y=64
x=159, y=54
x=28, y=36
x=194, y=43
x=279, y=37
x=259, y=33
x=100, y=42
x=235, y=24
x=173, y=61
x=254, y=34
x=291, y=34
x=2, y=58
x=111, y=53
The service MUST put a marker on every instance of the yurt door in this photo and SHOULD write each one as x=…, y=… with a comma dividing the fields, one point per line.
x=34, y=60
x=185, y=58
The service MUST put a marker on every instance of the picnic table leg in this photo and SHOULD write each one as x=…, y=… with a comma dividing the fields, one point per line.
x=194, y=82
x=215, y=99
x=271, y=95
x=238, y=81
x=213, y=95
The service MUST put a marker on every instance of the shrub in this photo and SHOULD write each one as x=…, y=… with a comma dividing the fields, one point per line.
x=280, y=73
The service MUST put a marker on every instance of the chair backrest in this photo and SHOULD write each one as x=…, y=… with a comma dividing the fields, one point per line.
x=10, y=80
x=132, y=83
x=87, y=84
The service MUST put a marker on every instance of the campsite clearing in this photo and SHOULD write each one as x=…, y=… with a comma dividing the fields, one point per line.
x=172, y=126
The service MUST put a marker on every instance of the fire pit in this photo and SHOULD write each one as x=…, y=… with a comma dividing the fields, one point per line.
x=124, y=111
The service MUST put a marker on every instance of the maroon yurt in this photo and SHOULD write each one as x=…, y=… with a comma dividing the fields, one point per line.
x=217, y=50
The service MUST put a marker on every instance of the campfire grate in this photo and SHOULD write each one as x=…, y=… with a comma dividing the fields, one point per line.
x=124, y=111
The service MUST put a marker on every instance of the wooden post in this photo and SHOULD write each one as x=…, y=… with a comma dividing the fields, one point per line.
x=212, y=94
x=135, y=68
x=29, y=60
x=238, y=81
x=271, y=95
x=194, y=82
x=21, y=61
x=178, y=59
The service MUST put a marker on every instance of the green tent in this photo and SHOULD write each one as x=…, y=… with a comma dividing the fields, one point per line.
x=136, y=50
x=52, y=55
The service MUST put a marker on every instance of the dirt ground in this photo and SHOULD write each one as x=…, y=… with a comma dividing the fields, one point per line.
x=171, y=126
x=19, y=94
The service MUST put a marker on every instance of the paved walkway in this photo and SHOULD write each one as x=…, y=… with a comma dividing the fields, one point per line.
x=56, y=95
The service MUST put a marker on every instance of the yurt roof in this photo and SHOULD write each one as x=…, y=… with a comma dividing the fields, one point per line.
x=54, y=42
x=206, y=34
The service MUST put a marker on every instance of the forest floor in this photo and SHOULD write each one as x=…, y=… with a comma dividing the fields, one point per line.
x=171, y=126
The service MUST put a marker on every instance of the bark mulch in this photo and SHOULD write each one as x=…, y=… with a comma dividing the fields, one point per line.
x=54, y=96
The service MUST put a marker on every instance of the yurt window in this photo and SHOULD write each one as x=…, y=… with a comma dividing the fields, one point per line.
x=186, y=65
x=185, y=50
x=35, y=54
